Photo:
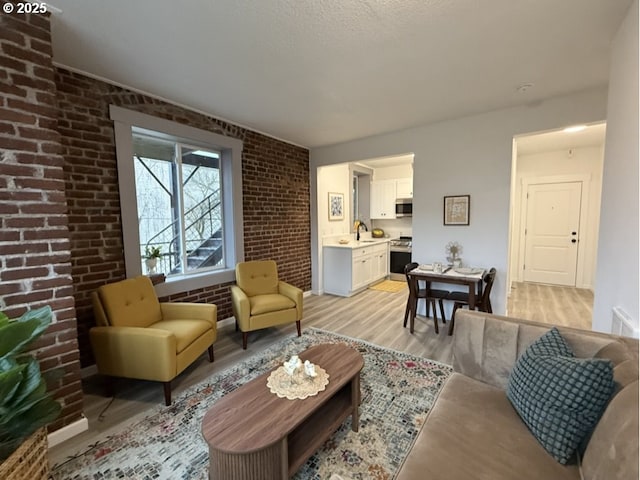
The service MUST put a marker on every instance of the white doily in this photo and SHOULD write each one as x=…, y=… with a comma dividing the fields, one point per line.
x=297, y=386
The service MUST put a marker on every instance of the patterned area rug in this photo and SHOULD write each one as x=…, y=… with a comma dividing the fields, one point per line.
x=397, y=392
x=389, y=286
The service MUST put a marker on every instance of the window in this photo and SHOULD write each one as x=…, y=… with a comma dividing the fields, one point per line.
x=179, y=200
x=182, y=191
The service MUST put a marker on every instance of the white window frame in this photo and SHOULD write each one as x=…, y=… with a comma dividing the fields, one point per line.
x=233, y=233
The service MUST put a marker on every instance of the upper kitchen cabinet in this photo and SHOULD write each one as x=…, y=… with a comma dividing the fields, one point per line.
x=404, y=188
x=383, y=199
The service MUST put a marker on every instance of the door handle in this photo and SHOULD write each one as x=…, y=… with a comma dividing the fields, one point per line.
x=573, y=240
x=574, y=233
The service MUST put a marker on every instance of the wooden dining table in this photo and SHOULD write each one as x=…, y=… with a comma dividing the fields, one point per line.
x=471, y=277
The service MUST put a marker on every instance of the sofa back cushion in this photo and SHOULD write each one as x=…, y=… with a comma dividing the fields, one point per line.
x=486, y=347
x=257, y=277
x=130, y=303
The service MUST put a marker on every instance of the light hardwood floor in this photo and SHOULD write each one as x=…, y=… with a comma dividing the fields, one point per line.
x=373, y=316
x=571, y=307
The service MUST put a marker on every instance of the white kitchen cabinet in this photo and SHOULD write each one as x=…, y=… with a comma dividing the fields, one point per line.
x=362, y=271
x=347, y=270
x=380, y=264
x=404, y=188
x=383, y=199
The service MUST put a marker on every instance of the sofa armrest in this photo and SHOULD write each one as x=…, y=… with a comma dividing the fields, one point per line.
x=191, y=311
x=135, y=352
x=294, y=293
x=241, y=307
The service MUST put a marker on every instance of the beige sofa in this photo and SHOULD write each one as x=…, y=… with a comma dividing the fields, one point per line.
x=473, y=432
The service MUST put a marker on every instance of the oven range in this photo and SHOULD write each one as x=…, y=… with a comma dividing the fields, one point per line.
x=399, y=256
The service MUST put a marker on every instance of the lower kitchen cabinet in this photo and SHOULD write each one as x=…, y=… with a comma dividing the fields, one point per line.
x=349, y=270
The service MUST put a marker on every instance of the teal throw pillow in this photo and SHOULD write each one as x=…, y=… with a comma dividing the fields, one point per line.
x=558, y=396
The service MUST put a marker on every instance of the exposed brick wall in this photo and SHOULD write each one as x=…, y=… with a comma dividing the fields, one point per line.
x=275, y=194
x=35, y=265
x=275, y=185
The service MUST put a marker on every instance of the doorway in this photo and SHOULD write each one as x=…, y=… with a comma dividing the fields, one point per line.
x=556, y=189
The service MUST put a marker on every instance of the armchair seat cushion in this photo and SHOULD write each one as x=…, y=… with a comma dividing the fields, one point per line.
x=185, y=331
x=271, y=302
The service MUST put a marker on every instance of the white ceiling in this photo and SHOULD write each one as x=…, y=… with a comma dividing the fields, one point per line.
x=592, y=136
x=318, y=72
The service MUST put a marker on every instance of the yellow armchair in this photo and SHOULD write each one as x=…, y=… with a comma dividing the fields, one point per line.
x=261, y=300
x=138, y=337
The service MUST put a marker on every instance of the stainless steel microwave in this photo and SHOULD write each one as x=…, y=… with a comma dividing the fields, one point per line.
x=404, y=207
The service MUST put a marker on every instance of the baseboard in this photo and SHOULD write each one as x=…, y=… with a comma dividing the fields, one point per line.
x=68, y=431
x=89, y=371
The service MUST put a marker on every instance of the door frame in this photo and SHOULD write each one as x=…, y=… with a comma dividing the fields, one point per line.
x=585, y=198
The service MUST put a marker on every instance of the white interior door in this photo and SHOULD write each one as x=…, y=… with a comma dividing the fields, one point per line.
x=551, y=233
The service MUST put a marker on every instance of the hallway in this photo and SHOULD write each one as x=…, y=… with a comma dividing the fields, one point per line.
x=568, y=306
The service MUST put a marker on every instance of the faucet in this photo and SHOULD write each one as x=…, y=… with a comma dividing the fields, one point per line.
x=358, y=225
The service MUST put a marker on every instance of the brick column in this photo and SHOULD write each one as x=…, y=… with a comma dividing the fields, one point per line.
x=35, y=265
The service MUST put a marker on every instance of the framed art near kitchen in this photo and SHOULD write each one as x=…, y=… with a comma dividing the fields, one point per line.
x=456, y=210
x=336, y=206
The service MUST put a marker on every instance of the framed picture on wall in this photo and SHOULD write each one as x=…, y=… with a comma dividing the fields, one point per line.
x=336, y=206
x=456, y=210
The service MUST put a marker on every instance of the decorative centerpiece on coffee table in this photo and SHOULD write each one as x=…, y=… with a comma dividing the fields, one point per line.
x=297, y=380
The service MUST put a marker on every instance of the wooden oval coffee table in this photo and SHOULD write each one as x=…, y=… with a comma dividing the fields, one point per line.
x=254, y=434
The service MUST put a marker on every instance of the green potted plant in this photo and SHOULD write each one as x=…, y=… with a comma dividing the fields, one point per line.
x=25, y=404
x=151, y=255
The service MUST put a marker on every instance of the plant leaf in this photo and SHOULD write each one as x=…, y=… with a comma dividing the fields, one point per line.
x=16, y=334
x=31, y=380
x=9, y=384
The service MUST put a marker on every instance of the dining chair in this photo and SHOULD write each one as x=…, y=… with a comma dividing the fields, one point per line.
x=460, y=299
x=430, y=295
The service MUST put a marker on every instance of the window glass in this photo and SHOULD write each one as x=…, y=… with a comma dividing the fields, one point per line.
x=180, y=205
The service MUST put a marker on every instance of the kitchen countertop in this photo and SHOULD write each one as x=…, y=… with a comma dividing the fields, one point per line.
x=356, y=244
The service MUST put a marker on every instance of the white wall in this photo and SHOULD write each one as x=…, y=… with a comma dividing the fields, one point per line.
x=586, y=161
x=470, y=155
x=617, y=269
x=335, y=179
x=395, y=172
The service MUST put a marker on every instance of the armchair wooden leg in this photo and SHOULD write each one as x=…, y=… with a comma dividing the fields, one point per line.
x=245, y=336
x=299, y=328
x=109, y=386
x=167, y=393
x=210, y=350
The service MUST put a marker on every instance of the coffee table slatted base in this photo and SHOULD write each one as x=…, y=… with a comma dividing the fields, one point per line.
x=264, y=463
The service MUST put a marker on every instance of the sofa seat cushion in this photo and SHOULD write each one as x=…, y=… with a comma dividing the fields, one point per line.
x=185, y=331
x=473, y=432
x=272, y=302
